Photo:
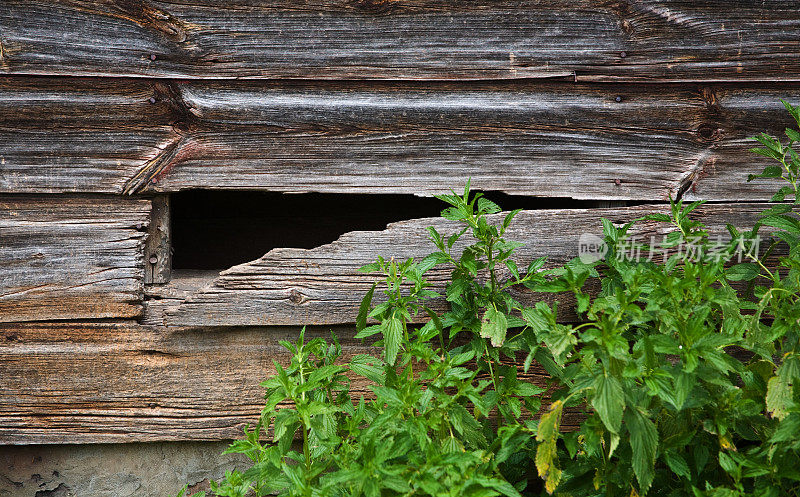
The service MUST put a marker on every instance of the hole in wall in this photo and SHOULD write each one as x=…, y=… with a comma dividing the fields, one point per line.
x=219, y=229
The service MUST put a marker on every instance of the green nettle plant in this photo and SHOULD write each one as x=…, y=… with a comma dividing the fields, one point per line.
x=683, y=371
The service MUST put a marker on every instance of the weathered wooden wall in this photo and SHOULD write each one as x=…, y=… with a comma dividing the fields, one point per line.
x=587, y=141
x=109, y=106
x=651, y=40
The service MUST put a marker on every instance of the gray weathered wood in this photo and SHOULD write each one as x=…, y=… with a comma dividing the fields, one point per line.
x=182, y=284
x=323, y=285
x=566, y=140
x=102, y=382
x=71, y=258
x=158, y=246
x=653, y=40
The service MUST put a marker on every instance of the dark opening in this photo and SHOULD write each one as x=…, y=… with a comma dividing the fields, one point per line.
x=220, y=229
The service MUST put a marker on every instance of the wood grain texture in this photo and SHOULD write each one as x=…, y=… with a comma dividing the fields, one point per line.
x=71, y=258
x=103, y=382
x=652, y=40
x=158, y=244
x=587, y=141
x=183, y=283
x=323, y=285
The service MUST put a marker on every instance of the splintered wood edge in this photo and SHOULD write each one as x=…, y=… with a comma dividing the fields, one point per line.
x=322, y=286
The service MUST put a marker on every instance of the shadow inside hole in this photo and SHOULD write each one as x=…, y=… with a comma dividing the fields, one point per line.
x=219, y=229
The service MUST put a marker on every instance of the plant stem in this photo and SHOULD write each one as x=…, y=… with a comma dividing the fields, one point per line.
x=306, y=452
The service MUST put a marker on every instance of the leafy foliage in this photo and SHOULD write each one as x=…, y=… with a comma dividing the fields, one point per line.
x=685, y=370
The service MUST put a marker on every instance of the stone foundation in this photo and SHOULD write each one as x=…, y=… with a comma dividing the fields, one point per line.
x=111, y=470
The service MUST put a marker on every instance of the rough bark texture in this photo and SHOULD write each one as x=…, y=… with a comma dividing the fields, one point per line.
x=70, y=257
x=323, y=285
x=101, y=382
x=653, y=40
x=586, y=141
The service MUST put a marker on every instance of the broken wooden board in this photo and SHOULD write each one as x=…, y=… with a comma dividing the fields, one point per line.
x=585, y=141
x=653, y=40
x=183, y=283
x=110, y=383
x=323, y=285
x=70, y=257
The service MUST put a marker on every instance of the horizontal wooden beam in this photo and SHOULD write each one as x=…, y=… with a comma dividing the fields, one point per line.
x=586, y=141
x=653, y=40
x=110, y=383
x=71, y=257
x=323, y=285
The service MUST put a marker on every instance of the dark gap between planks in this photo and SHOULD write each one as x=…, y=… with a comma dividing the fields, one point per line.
x=219, y=229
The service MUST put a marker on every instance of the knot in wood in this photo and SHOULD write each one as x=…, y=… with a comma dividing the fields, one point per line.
x=377, y=6
x=708, y=132
x=296, y=297
x=709, y=96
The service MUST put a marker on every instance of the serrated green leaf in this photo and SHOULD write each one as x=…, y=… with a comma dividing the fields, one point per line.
x=727, y=463
x=779, y=397
x=547, y=453
x=783, y=222
x=363, y=309
x=609, y=401
x=368, y=367
x=494, y=326
x=677, y=464
x=745, y=271
x=657, y=217
x=487, y=206
x=392, y=336
x=370, y=268
x=644, y=443
x=369, y=331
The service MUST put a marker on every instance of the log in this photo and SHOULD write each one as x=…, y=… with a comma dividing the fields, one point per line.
x=323, y=286
x=585, y=141
x=652, y=40
x=70, y=257
x=121, y=382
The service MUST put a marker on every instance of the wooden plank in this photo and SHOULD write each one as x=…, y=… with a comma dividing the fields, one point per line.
x=587, y=141
x=77, y=135
x=109, y=383
x=71, y=258
x=323, y=286
x=653, y=40
x=182, y=284
x=158, y=245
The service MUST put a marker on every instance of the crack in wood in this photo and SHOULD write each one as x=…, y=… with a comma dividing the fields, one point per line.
x=141, y=13
x=185, y=116
x=154, y=168
x=185, y=119
x=690, y=178
x=147, y=15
